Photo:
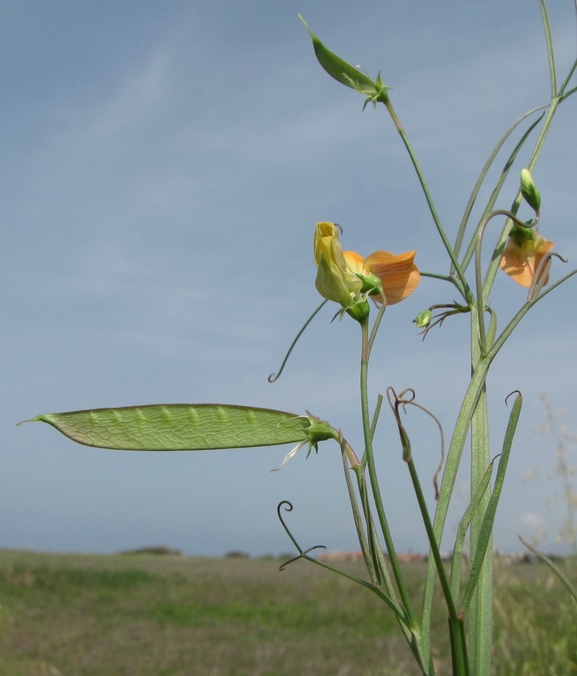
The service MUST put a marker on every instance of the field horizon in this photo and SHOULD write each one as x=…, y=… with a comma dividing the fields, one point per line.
x=178, y=615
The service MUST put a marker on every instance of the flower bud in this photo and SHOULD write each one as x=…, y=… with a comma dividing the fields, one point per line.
x=334, y=280
x=529, y=191
x=423, y=319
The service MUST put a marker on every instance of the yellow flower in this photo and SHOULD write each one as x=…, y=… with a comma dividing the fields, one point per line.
x=334, y=280
x=523, y=254
x=345, y=276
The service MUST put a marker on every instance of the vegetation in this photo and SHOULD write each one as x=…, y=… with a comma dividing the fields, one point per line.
x=154, y=615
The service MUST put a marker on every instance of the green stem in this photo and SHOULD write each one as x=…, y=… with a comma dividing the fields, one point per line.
x=384, y=98
x=480, y=625
x=457, y=634
x=363, y=542
x=369, y=455
x=454, y=455
x=494, y=264
x=446, y=588
x=458, y=647
x=446, y=278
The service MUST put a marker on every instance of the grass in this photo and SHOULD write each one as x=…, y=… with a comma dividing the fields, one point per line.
x=82, y=615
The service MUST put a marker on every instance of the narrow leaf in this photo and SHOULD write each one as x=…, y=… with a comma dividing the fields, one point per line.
x=483, y=175
x=489, y=517
x=462, y=531
x=179, y=427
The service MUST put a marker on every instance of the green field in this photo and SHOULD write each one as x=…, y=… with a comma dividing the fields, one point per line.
x=123, y=615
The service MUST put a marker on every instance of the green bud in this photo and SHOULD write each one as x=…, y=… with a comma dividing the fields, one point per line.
x=529, y=191
x=423, y=319
x=359, y=311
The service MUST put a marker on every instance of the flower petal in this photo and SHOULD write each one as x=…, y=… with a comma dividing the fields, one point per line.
x=354, y=262
x=334, y=280
x=398, y=274
x=520, y=262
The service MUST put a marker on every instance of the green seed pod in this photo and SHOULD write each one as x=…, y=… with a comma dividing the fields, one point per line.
x=343, y=72
x=529, y=191
x=180, y=427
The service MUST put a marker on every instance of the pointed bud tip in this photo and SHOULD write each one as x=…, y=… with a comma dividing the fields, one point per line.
x=529, y=190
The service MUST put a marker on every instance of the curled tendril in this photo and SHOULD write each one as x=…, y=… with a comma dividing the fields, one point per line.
x=407, y=398
x=541, y=274
x=493, y=460
x=506, y=404
x=288, y=507
x=275, y=376
x=510, y=395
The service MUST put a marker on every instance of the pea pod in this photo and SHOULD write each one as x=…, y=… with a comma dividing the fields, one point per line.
x=343, y=72
x=181, y=427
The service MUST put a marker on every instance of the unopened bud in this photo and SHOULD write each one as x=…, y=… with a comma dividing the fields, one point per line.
x=529, y=191
x=423, y=319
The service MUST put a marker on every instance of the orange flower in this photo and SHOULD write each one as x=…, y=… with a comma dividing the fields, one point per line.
x=347, y=278
x=398, y=274
x=523, y=254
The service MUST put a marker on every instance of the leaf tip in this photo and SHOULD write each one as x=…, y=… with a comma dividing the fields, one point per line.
x=300, y=16
x=28, y=420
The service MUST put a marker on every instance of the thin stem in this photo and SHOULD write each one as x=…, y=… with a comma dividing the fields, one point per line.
x=550, y=52
x=445, y=586
x=384, y=98
x=498, y=187
x=498, y=344
x=454, y=455
x=494, y=264
x=275, y=376
x=375, y=329
x=446, y=278
x=358, y=521
x=403, y=592
x=457, y=635
x=480, y=625
x=485, y=171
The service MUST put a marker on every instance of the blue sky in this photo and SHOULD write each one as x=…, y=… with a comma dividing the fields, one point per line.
x=163, y=167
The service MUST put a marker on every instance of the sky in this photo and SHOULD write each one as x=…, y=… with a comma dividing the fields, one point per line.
x=163, y=166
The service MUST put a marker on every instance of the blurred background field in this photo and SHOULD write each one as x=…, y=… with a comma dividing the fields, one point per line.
x=161, y=615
